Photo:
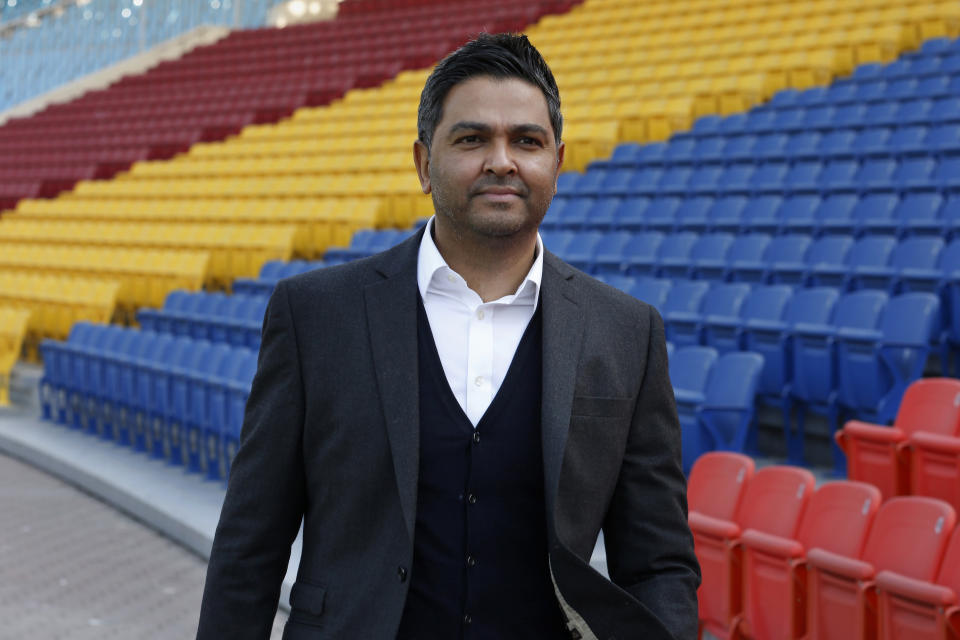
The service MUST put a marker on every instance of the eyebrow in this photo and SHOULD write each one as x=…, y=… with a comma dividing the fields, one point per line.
x=527, y=127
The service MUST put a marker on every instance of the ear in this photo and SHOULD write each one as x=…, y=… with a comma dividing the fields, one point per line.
x=421, y=158
x=560, y=151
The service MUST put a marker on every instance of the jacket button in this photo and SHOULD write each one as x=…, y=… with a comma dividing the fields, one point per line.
x=467, y=619
x=471, y=561
x=402, y=573
x=476, y=437
x=472, y=498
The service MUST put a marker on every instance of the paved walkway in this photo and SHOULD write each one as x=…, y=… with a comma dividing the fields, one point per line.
x=74, y=568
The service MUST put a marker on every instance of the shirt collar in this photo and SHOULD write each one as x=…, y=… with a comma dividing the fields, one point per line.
x=432, y=270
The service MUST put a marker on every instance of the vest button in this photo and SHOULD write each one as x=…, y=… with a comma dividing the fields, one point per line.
x=467, y=619
x=476, y=437
x=402, y=573
x=472, y=498
x=471, y=561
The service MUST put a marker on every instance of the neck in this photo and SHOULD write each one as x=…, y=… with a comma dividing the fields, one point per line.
x=492, y=267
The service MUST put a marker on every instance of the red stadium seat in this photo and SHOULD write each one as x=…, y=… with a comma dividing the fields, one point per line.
x=909, y=536
x=772, y=503
x=838, y=518
x=917, y=610
x=717, y=483
x=880, y=455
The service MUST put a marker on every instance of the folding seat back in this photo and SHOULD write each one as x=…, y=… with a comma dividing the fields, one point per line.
x=761, y=214
x=711, y=248
x=874, y=213
x=917, y=253
x=726, y=213
x=922, y=610
x=908, y=536
x=748, y=249
x=690, y=369
x=270, y=269
x=692, y=214
x=881, y=455
x=608, y=253
x=580, y=250
x=871, y=251
x=919, y=213
x=673, y=256
x=661, y=213
x=653, y=291
x=837, y=518
x=640, y=252
x=798, y=212
x=717, y=483
x=727, y=417
x=773, y=503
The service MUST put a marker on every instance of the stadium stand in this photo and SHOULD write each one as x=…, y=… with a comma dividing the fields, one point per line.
x=13, y=329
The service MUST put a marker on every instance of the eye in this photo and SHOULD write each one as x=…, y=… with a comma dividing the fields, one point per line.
x=527, y=141
x=470, y=139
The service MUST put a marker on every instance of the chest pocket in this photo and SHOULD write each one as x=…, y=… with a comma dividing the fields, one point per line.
x=601, y=407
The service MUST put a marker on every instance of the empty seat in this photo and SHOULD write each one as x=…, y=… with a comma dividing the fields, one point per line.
x=673, y=256
x=690, y=369
x=763, y=304
x=876, y=365
x=708, y=256
x=640, y=252
x=653, y=291
x=683, y=303
x=717, y=482
x=773, y=503
x=913, y=258
x=881, y=454
x=723, y=299
x=837, y=519
x=789, y=248
x=866, y=252
x=921, y=609
x=909, y=536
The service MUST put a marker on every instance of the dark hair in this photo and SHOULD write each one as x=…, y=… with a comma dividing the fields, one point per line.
x=501, y=56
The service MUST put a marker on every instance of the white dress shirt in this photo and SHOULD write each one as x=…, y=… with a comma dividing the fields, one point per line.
x=476, y=340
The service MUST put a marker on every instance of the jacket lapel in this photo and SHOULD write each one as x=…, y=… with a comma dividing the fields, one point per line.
x=562, y=336
x=391, y=306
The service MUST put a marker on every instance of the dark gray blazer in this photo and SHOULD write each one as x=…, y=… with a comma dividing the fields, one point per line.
x=331, y=435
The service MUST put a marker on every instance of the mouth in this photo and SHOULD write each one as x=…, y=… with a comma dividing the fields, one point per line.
x=499, y=194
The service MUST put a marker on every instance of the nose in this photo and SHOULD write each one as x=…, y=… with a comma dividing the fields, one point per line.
x=500, y=161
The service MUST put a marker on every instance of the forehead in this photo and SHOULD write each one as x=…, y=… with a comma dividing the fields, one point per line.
x=495, y=101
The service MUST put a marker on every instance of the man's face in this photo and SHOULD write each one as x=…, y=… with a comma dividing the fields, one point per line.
x=493, y=163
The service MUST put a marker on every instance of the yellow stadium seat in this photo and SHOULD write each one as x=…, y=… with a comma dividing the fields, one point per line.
x=13, y=330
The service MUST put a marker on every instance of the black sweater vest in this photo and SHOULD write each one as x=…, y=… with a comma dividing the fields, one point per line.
x=480, y=565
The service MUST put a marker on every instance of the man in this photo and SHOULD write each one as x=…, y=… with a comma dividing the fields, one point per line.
x=457, y=418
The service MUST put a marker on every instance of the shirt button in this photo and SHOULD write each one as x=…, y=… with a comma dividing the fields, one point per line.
x=451, y=277
x=467, y=619
x=472, y=498
x=402, y=573
x=479, y=314
x=478, y=381
x=471, y=561
x=476, y=437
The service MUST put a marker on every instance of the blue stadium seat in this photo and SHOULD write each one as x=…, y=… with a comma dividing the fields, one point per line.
x=876, y=365
x=869, y=251
x=589, y=183
x=556, y=241
x=947, y=175
x=803, y=176
x=238, y=390
x=683, y=303
x=874, y=174
x=580, y=250
x=799, y=213
x=788, y=248
x=198, y=402
x=674, y=180
x=943, y=139
x=839, y=174
x=653, y=291
x=918, y=256
x=705, y=179
x=724, y=300
x=680, y=150
x=765, y=302
x=919, y=213
x=817, y=118
x=909, y=140
x=708, y=256
x=603, y=215
x=692, y=214
x=630, y=213
x=768, y=177
x=608, y=255
x=815, y=374
x=740, y=148
x=673, y=256
x=690, y=369
x=177, y=414
x=914, y=111
x=872, y=141
x=837, y=143
x=111, y=396
x=574, y=213
x=213, y=464
x=735, y=179
x=946, y=109
x=853, y=115
x=773, y=339
x=915, y=173
x=880, y=114
x=726, y=214
x=745, y=251
x=826, y=250
x=645, y=181
x=804, y=144
x=761, y=214
x=661, y=213
x=874, y=213
x=640, y=252
x=616, y=280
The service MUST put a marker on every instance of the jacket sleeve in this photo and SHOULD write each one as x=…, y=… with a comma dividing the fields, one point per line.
x=648, y=541
x=264, y=503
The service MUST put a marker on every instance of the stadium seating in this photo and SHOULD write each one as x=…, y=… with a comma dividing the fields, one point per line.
x=837, y=518
x=235, y=319
x=13, y=329
x=173, y=398
x=918, y=609
x=773, y=503
x=883, y=455
x=717, y=483
x=909, y=537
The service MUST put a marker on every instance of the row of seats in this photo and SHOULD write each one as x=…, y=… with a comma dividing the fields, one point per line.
x=325, y=221
x=233, y=319
x=722, y=147
x=780, y=559
x=841, y=175
x=884, y=212
x=234, y=250
x=715, y=397
x=271, y=273
x=920, y=453
x=13, y=330
x=174, y=398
